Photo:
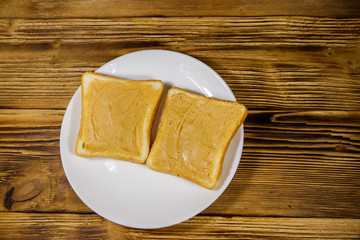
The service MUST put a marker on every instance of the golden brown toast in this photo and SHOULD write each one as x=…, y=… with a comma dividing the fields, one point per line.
x=194, y=135
x=116, y=117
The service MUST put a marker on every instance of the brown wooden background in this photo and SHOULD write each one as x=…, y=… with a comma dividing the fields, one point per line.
x=294, y=64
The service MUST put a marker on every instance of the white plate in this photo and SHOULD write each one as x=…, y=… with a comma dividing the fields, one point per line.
x=131, y=194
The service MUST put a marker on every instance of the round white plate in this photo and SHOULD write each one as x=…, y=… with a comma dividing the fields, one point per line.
x=131, y=194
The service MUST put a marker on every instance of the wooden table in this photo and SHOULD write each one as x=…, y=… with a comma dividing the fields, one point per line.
x=294, y=64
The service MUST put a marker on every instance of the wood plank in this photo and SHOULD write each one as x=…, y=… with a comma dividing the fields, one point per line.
x=91, y=226
x=295, y=164
x=122, y=8
x=269, y=62
x=199, y=32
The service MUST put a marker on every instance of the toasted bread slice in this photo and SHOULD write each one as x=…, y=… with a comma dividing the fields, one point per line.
x=194, y=135
x=117, y=116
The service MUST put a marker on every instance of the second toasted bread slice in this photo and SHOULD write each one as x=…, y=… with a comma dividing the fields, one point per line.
x=194, y=135
x=117, y=116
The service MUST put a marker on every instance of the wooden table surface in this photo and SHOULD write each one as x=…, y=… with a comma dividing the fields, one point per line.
x=294, y=64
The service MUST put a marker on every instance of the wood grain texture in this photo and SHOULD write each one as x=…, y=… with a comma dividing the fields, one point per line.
x=185, y=8
x=29, y=149
x=91, y=226
x=294, y=164
x=269, y=62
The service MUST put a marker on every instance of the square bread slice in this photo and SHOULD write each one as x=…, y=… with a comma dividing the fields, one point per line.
x=193, y=137
x=117, y=116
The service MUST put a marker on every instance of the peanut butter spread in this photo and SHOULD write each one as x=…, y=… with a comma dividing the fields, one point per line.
x=116, y=115
x=193, y=136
